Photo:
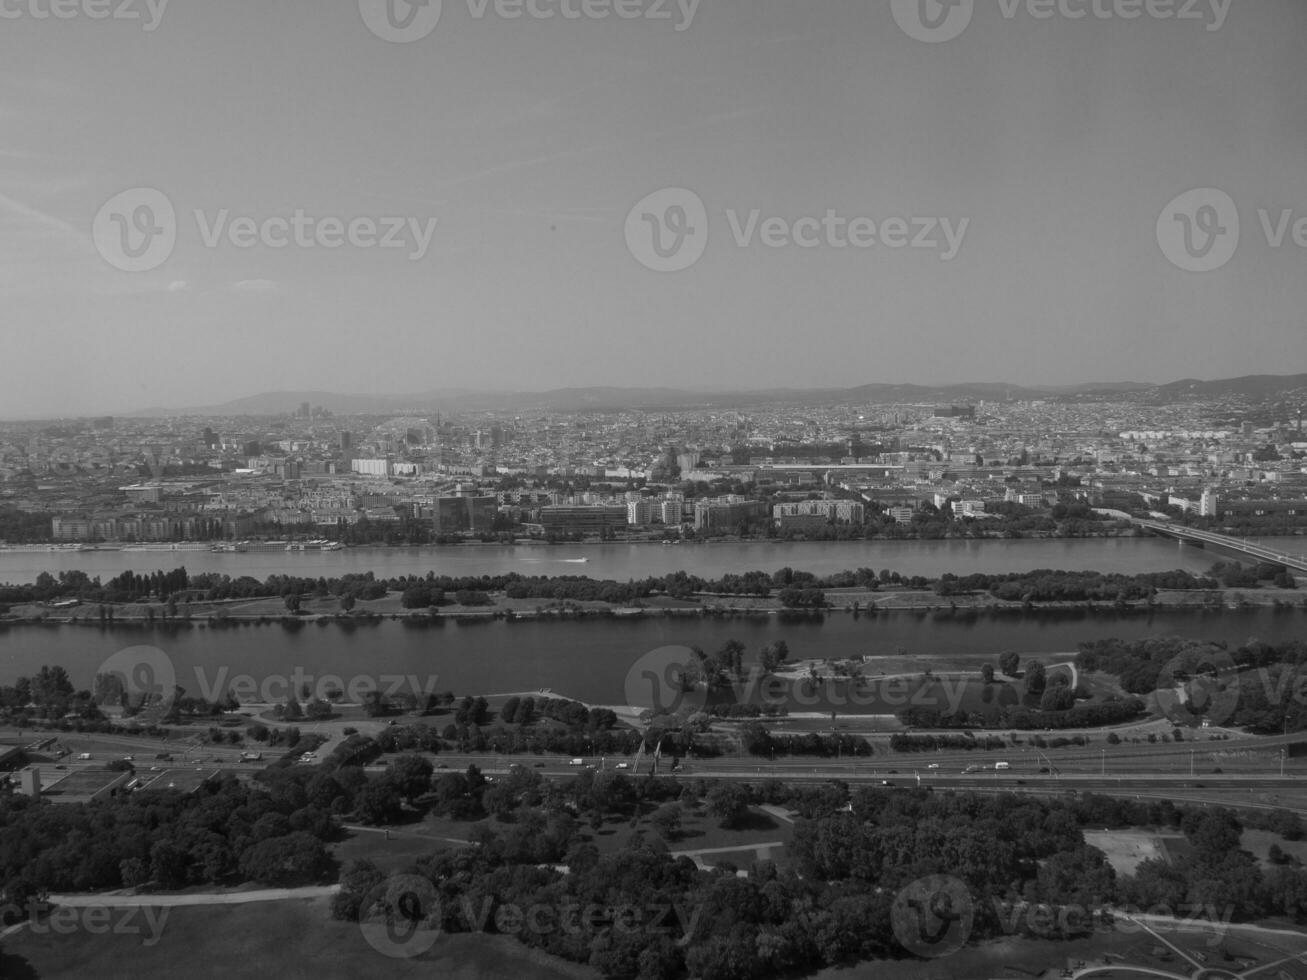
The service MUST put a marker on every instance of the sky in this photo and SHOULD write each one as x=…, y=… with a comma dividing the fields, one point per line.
x=204, y=200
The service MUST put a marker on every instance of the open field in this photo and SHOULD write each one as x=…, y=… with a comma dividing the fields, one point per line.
x=298, y=940
x=1258, y=842
x=295, y=940
x=1125, y=850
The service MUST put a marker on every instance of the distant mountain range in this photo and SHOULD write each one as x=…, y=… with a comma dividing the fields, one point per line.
x=1256, y=388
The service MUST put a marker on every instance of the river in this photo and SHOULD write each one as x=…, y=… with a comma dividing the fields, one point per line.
x=586, y=659
x=623, y=562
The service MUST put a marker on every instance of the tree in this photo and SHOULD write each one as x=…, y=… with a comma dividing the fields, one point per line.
x=411, y=775
x=1009, y=661
x=379, y=803
x=1036, y=680
x=295, y=859
x=293, y=604
x=508, y=713
x=728, y=803
x=773, y=655
x=667, y=820
x=987, y=673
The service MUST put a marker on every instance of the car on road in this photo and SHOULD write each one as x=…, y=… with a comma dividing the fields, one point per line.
x=886, y=782
x=933, y=765
x=539, y=765
x=623, y=765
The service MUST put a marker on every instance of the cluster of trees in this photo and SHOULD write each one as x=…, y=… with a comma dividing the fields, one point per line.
x=852, y=853
x=48, y=696
x=758, y=741
x=21, y=527
x=1236, y=575
x=1266, y=682
x=1046, y=585
x=1016, y=716
x=223, y=834
x=899, y=742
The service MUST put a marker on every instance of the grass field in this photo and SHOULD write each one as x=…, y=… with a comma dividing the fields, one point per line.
x=288, y=940
x=1126, y=850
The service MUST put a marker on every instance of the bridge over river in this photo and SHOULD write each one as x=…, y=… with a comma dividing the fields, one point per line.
x=1257, y=552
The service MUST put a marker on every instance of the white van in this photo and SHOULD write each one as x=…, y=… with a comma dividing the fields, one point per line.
x=1002, y=765
x=577, y=762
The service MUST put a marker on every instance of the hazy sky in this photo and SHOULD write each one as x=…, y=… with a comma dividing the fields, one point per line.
x=1048, y=146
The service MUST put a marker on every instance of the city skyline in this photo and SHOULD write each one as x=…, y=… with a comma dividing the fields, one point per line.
x=1027, y=168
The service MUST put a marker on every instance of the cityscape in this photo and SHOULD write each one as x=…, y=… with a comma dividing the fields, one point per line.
x=311, y=478
x=653, y=489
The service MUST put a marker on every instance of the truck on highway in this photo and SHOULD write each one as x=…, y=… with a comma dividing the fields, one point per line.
x=1002, y=765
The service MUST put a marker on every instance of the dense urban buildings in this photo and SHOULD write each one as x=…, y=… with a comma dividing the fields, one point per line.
x=770, y=469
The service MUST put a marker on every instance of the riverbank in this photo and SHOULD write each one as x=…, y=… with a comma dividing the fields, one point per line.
x=857, y=603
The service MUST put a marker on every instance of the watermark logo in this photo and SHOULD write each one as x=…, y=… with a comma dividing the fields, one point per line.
x=1197, y=687
x=1199, y=230
x=406, y=21
x=933, y=917
x=96, y=920
x=666, y=681
x=401, y=21
x=136, y=231
x=274, y=688
x=668, y=230
x=933, y=21
x=149, y=12
x=139, y=674
x=401, y=917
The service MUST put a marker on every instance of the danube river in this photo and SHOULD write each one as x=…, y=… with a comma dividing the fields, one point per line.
x=623, y=562
x=587, y=659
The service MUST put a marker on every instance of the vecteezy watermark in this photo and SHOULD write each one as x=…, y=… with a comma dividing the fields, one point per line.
x=1049, y=920
x=403, y=917
x=95, y=920
x=933, y=21
x=137, y=231
x=137, y=675
x=148, y=11
x=933, y=917
x=675, y=680
x=668, y=231
x=406, y=21
x=666, y=681
x=1200, y=230
x=1198, y=686
x=141, y=674
x=936, y=21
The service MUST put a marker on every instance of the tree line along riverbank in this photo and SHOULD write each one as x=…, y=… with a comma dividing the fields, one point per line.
x=176, y=596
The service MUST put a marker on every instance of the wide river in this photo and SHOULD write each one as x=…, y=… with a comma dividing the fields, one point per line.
x=623, y=562
x=590, y=659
